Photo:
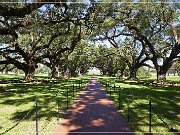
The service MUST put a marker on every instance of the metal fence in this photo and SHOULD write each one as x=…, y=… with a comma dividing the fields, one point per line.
x=114, y=90
x=70, y=95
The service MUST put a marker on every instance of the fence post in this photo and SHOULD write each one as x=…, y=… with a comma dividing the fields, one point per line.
x=106, y=84
x=110, y=92
x=57, y=107
x=150, y=116
x=73, y=91
x=67, y=98
x=36, y=115
x=128, y=108
x=114, y=87
x=119, y=106
x=79, y=84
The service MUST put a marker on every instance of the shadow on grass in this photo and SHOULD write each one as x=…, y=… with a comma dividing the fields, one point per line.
x=41, y=113
x=24, y=94
x=164, y=99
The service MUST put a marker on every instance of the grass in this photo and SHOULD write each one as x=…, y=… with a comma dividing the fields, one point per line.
x=17, y=98
x=21, y=76
x=171, y=78
x=165, y=101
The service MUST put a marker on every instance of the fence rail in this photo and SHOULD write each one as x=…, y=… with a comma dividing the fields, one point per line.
x=111, y=88
x=7, y=130
x=69, y=93
x=149, y=106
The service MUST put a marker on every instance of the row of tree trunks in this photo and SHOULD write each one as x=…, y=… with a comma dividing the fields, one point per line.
x=55, y=73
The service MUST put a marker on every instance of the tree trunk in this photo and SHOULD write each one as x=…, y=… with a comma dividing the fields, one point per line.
x=6, y=71
x=178, y=73
x=83, y=70
x=103, y=71
x=161, y=74
x=122, y=72
x=29, y=75
x=133, y=74
x=66, y=74
x=55, y=71
x=161, y=77
x=110, y=73
x=29, y=71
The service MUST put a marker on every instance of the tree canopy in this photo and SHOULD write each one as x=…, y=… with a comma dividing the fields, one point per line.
x=63, y=36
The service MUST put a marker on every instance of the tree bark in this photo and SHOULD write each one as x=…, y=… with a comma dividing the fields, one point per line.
x=133, y=73
x=161, y=77
x=162, y=70
x=102, y=70
x=110, y=72
x=73, y=73
x=29, y=75
x=122, y=72
x=55, y=71
x=178, y=73
x=161, y=73
x=6, y=71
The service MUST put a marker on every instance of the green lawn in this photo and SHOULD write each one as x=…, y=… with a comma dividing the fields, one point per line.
x=170, y=78
x=21, y=76
x=17, y=98
x=165, y=101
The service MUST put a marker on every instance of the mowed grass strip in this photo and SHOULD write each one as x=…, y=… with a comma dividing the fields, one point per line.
x=16, y=99
x=165, y=101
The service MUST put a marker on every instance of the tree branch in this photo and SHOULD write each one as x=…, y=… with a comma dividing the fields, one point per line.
x=27, y=9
